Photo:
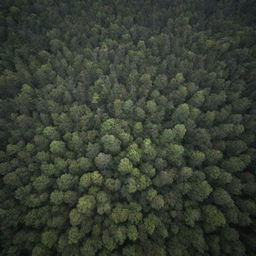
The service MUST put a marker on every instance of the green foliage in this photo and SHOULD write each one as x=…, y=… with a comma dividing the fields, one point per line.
x=191, y=216
x=86, y=204
x=85, y=180
x=148, y=150
x=167, y=136
x=96, y=178
x=84, y=164
x=73, y=235
x=119, y=214
x=57, y=147
x=197, y=158
x=51, y=133
x=181, y=114
x=110, y=126
x=200, y=190
x=164, y=178
x=132, y=232
x=125, y=166
x=134, y=153
x=221, y=197
x=102, y=161
x=127, y=128
x=111, y=144
x=49, y=238
x=66, y=181
x=214, y=218
x=56, y=197
x=112, y=184
x=150, y=223
x=175, y=153
x=75, y=217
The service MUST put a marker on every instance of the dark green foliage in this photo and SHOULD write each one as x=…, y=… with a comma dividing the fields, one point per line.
x=127, y=128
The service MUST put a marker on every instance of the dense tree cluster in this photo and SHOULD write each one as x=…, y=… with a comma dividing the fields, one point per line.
x=127, y=128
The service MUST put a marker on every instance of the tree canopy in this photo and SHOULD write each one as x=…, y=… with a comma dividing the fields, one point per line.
x=127, y=127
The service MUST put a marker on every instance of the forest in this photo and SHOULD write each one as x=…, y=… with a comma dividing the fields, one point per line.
x=127, y=127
